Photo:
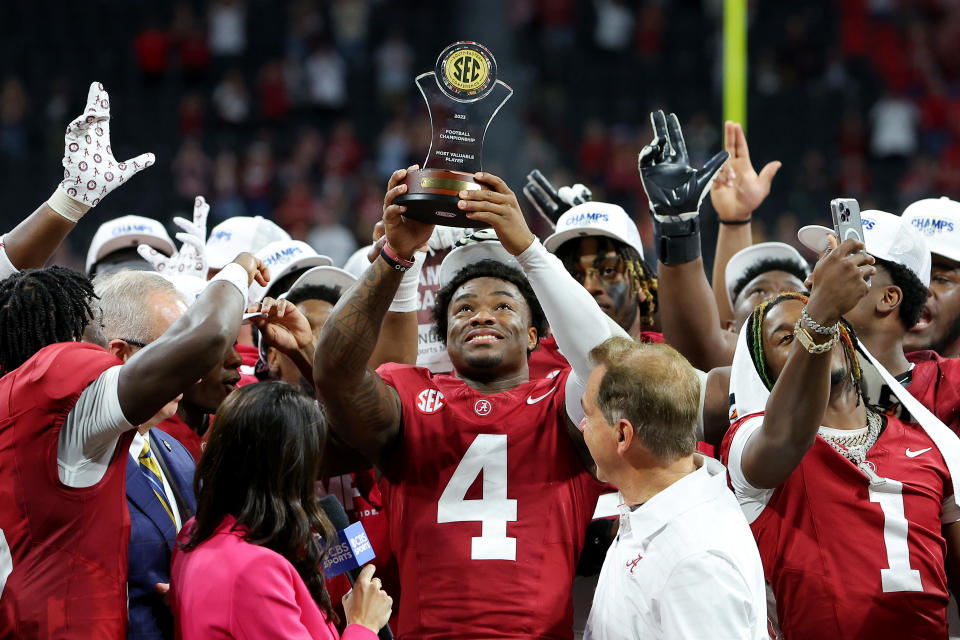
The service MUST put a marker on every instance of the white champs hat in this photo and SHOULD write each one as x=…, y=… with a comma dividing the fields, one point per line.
x=938, y=221
x=282, y=258
x=236, y=235
x=323, y=276
x=743, y=260
x=471, y=253
x=595, y=219
x=886, y=236
x=128, y=232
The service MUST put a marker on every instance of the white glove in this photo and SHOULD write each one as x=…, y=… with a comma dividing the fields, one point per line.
x=90, y=172
x=191, y=260
x=577, y=194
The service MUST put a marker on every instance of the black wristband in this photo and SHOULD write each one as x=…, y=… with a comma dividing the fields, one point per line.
x=734, y=223
x=393, y=262
x=677, y=241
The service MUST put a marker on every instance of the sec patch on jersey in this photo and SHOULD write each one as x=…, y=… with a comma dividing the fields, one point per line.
x=430, y=401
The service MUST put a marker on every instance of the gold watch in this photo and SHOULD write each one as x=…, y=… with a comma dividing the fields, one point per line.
x=807, y=340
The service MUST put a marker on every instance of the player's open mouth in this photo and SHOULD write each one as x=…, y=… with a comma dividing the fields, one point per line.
x=924, y=320
x=484, y=337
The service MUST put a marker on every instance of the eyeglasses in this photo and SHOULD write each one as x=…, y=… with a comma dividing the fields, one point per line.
x=607, y=269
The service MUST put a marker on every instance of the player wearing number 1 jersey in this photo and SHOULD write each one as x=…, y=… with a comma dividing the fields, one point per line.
x=854, y=513
x=486, y=481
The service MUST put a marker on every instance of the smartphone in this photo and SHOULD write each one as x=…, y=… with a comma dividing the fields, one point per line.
x=846, y=219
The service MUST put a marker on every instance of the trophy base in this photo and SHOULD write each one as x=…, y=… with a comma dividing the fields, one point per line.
x=432, y=196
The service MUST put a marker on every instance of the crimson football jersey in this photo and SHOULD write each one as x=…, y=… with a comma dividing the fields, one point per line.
x=68, y=545
x=249, y=355
x=851, y=559
x=359, y=493
x=487, y=503
x=181, y=431
x=935, y=382
x=546, y=361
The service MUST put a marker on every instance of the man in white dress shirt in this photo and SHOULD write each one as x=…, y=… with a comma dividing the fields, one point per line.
x=684, y=564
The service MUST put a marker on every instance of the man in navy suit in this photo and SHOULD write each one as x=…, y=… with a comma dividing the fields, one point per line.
x=137, y=307
x=153, y=532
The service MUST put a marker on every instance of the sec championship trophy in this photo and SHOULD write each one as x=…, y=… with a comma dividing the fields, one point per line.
x=463, y=95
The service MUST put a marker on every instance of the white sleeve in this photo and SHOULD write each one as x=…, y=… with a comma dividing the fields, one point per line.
x=714, y=579
x=752, y=499
x=6, y=267
x=90, y=432
x=577, y=322
x=702, y=377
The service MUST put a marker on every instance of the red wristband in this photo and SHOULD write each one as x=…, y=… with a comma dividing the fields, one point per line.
x=394, y=260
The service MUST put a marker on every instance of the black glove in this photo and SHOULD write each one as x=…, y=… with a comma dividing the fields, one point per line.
x=675, y=189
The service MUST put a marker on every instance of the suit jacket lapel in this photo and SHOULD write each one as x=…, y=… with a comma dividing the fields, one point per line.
x=181, y=485
x=140, y=493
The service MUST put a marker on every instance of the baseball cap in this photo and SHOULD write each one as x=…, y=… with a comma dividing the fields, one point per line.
x=241, y=233
x=886, y=236
x=743, y=260
x=471, y=253
x=189, y=286
x=358, y=262
x=325, y=276
x=281, y=258
x=595, y=219
x=128, y=232
x=938, y=221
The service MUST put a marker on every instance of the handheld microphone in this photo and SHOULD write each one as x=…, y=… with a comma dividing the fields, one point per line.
x=351, y=551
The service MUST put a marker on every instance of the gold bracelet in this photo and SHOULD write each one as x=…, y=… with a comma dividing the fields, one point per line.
x=807, y=341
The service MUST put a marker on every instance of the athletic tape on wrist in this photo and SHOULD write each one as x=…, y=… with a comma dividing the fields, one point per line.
x=235, y=275
x=407, y=298
x=66, y=206
x=677, y=241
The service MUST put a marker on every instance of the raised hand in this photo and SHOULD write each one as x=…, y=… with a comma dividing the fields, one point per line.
x=90, y=172
x=498, y=207
x=256, y=270
x=403, y=234
x=283, y=326
x=674, y=188
x=191, y=259
x=839, y=280
x=738, y=189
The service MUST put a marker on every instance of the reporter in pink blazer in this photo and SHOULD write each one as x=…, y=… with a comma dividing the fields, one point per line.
x=248, y=565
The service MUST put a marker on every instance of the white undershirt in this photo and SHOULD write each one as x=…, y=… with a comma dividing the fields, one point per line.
x=577, y=322
x=6, y=267
x=90, y=432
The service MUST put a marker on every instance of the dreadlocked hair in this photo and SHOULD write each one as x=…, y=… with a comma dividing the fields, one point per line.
x=754, y=331
x=638, y=273
x=40, y=307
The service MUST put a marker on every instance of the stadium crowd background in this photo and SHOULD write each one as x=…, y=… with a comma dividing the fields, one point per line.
x=297, y=110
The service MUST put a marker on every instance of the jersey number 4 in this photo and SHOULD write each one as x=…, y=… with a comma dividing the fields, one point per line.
x=900, y=576
x=486, y=454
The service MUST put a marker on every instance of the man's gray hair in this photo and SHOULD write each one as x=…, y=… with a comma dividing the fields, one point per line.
x=126, y=299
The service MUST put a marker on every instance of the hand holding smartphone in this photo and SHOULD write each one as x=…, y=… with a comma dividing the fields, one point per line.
x=846, y=219
x=847, y=223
